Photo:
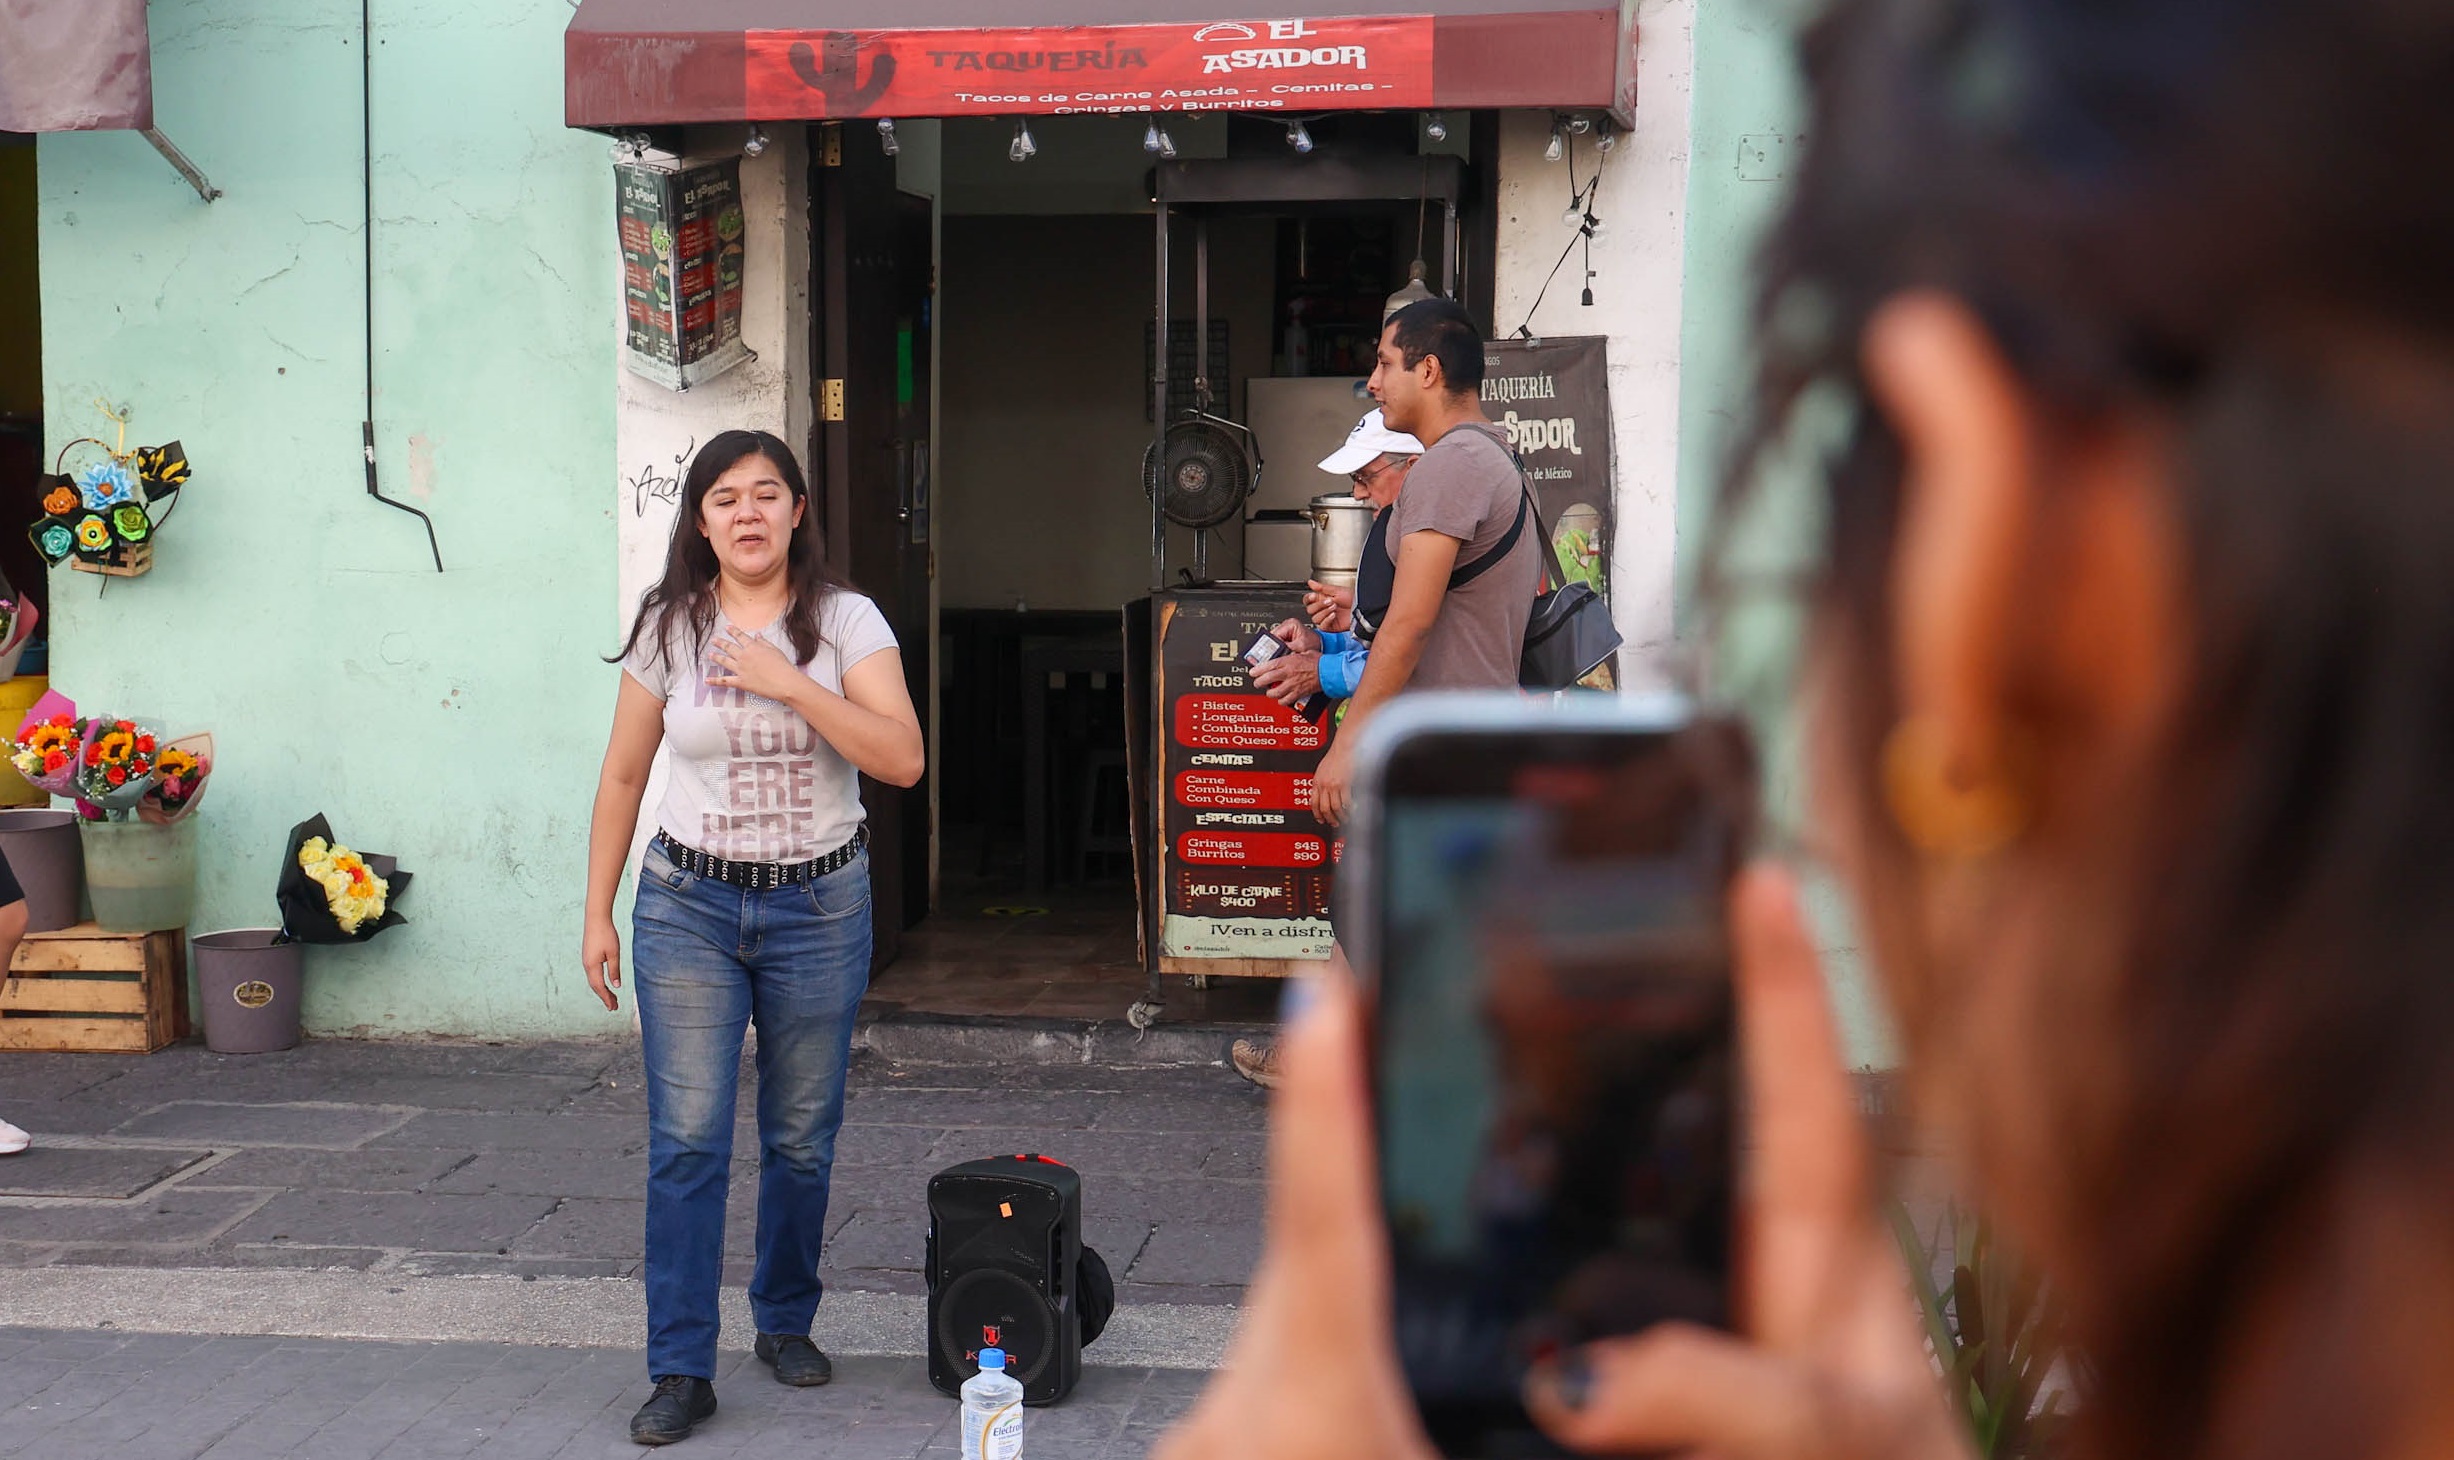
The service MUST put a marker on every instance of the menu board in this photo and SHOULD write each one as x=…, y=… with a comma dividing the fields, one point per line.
x=1244, y=868
x=682, y=254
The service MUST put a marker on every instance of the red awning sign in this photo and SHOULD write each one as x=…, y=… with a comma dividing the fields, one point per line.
x=1369, y=62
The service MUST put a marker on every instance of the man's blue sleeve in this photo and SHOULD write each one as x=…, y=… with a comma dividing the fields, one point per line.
x=1341, y=665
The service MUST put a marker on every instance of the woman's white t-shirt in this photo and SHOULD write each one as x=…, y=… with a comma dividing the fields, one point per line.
x=750, y=780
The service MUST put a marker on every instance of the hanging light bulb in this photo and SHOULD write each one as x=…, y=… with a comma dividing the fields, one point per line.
x=1558, y=147
x=1024, y=149
x=1298, y=138
x=1414, y=292
x=756, y=142
x=887, y=141
x=1596, y=229
x=1435, y=127
x=1606, y=137
x=1575, y=216
x=1157, y=143
x=1580, y=124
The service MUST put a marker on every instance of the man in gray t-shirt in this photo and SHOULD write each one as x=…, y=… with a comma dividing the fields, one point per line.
x=1460, y=503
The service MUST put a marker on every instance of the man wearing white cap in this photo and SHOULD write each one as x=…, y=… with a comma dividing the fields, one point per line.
x=1330, y=653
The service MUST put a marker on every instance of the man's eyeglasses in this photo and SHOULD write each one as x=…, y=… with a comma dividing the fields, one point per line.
x=1365, y=476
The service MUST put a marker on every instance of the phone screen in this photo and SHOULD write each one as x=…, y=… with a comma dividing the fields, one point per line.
x=1553, y=1055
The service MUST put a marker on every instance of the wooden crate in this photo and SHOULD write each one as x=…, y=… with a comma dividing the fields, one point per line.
x=82, y=989
x=126, y=562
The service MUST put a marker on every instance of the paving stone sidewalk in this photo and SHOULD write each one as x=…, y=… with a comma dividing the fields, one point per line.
x=89, y=1396
x=528, y=1160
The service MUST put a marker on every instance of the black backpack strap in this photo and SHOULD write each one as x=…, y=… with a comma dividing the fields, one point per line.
x=1516, y=529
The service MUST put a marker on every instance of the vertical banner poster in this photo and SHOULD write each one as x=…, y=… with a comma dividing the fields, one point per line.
x=1244, y=868
x=1553, y=397
x=682, y=253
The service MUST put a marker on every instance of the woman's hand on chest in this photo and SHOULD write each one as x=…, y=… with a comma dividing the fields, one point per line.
x=748, y=662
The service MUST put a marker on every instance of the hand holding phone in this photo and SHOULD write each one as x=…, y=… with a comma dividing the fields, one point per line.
x=1832, y=1366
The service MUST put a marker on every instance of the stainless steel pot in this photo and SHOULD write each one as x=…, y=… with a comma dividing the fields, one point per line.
x=1340, y=524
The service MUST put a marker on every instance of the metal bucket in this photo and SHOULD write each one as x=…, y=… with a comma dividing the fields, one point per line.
x=1340, y=525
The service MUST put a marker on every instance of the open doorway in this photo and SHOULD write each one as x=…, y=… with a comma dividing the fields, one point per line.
x=1040, y=523
x=21, y=410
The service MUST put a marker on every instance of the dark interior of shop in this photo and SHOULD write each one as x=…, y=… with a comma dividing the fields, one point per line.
x=1042, y=529
x=21, y=384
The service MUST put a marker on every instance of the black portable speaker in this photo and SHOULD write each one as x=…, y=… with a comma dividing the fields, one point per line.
x=1007, y=1269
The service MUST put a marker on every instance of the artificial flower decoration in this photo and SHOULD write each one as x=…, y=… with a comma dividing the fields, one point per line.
x=106, y=484
x=105, y=508
x=162, y=469
x=331, y=894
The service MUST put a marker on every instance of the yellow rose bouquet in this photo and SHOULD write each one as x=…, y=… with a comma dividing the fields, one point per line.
x=330, y=894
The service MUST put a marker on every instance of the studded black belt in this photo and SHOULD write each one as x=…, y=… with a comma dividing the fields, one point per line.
x=758, y=875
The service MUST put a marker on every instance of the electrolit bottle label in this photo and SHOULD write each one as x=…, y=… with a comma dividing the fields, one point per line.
x=998, y=1436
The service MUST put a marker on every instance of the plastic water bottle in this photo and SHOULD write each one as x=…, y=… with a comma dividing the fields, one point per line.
x=992, y=1411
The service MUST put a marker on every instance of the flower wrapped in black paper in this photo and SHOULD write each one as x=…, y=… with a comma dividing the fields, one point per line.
x=330, y=894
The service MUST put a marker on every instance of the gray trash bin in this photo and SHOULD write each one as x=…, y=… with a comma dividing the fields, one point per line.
x=44, y=852
x=247, y=988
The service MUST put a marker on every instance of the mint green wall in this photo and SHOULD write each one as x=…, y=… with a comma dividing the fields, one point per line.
x=454, y=720
x=1744, y=123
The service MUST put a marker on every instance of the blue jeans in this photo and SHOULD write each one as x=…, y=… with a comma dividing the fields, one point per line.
x=708, y=960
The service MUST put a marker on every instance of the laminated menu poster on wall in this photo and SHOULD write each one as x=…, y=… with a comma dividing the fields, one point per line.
x=1244, y=868
x=682, y=256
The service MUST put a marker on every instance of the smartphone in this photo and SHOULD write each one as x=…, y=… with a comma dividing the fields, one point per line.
x=1264, y=649
x=1535, y=892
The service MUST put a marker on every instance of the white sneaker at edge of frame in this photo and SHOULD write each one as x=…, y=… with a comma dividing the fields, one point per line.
x=13, y=1140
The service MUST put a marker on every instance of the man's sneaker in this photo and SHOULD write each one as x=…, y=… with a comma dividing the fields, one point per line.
x=796, y=1360
x=13, y=1140
x=1256, y=1061
x=677, y=1407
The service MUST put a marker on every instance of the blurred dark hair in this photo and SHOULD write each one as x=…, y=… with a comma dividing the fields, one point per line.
x=1442, y=329
x=2235, y=217
x=685, y=596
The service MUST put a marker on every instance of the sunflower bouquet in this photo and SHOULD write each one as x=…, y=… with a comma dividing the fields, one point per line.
x=106, y=508
x=180, y=770
x=331, y=894
x=48, y=748
x=116, y=767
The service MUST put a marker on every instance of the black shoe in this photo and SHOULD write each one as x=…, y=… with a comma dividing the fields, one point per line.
x=797, y=1361
x=677, y=1407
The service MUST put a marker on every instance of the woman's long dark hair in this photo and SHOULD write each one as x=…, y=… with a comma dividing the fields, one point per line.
x=685, y=597
x=2235, y=217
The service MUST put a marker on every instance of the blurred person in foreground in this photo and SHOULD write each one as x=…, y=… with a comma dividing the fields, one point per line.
x=2131, y=683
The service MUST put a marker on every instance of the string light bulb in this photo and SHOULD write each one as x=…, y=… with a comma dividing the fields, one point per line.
x=888, y=143
x=1606, y=136
x=1435, y=127
x=1024, y=149
x=1299, y=138
x=1558, y=147
x=1580, y=124
x=756, y=143
x=1157, y=143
